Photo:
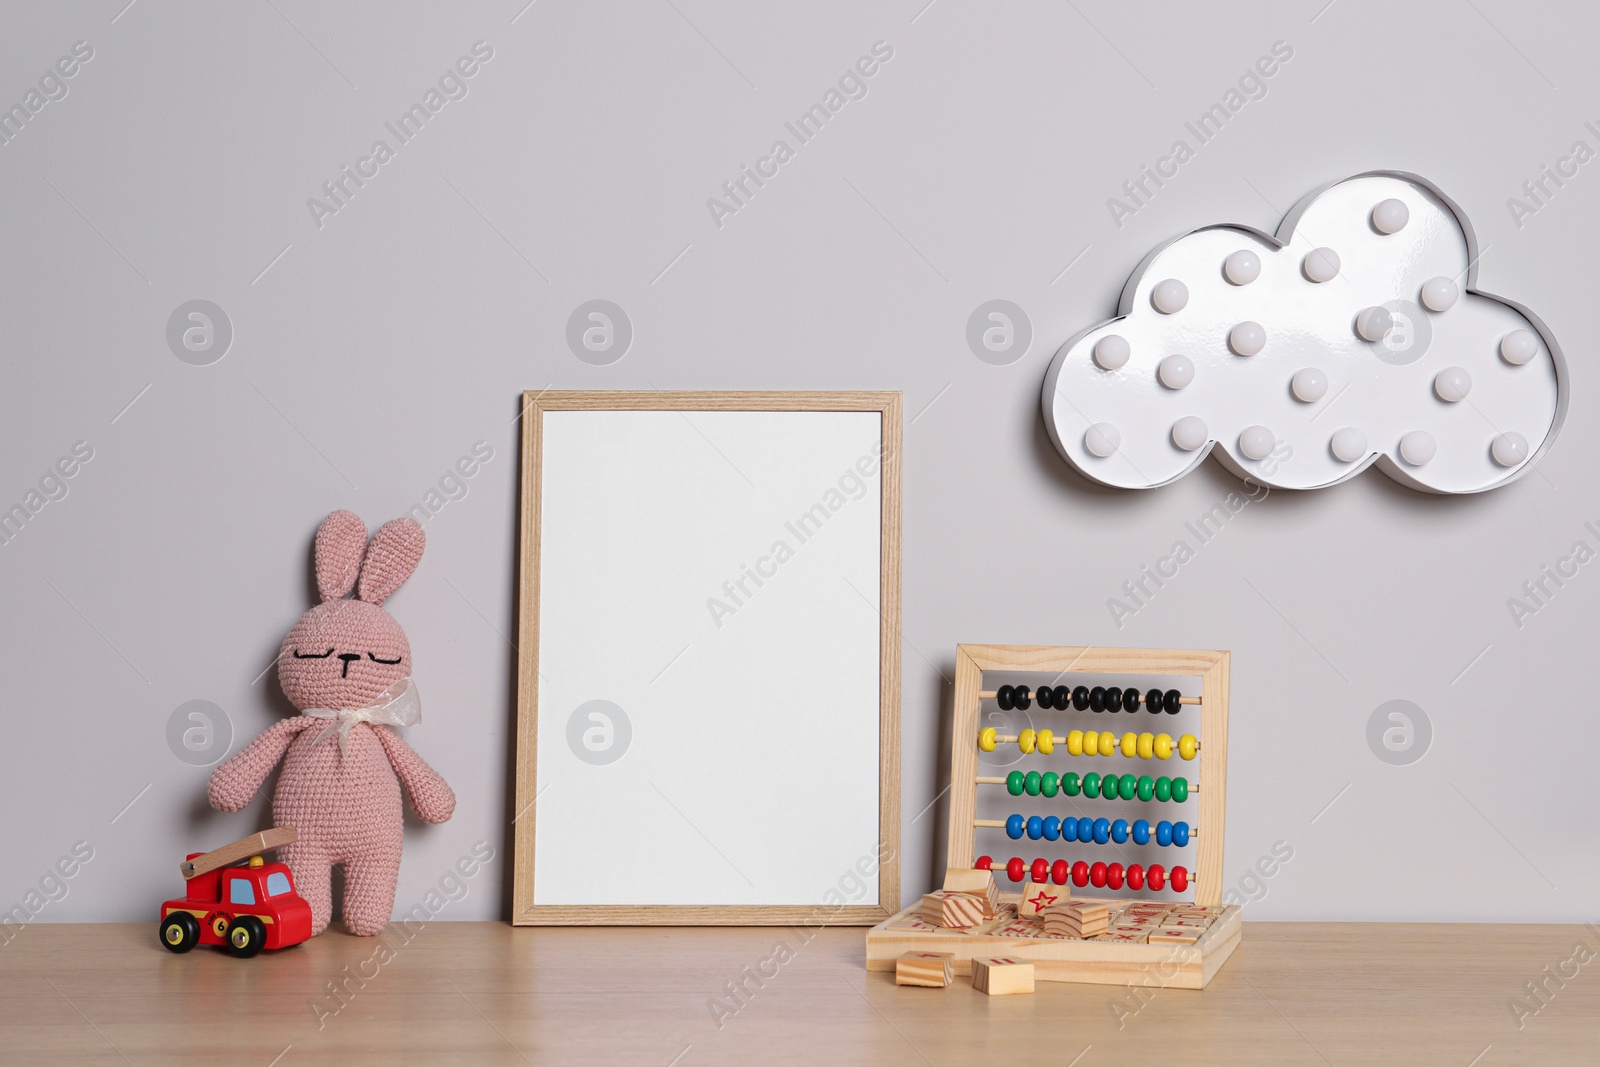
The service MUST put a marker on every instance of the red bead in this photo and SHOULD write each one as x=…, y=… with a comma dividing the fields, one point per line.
x=1097, y=875
x=1080, y=873
x=984, y=863
x=1180, y=879
x=1156, y=876
x=1114, y=876
x=1060, y=871
x=1041, y=870
x=1135, y=876
x=1014, y=868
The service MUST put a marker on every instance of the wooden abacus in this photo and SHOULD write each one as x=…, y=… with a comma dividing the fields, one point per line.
x=1109, y=958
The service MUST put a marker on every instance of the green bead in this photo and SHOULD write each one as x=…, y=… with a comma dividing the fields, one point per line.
x=1180, y=789
x=1049, y=783
x=1032, y=783
x=1147, y=787
x=1163, y=789
x=1128, y=787
x=1070, y=785
x=1091, y=784
x=1014, y=783
x=1108, y=786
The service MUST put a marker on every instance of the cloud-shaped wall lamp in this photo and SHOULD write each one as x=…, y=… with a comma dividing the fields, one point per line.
x=1353, y=337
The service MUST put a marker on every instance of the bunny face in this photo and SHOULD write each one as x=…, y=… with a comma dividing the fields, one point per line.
x=343, y=654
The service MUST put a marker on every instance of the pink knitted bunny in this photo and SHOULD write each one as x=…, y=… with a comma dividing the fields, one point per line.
x=341, y=662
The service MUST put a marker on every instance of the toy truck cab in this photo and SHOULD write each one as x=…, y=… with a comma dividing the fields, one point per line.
x=243, y=908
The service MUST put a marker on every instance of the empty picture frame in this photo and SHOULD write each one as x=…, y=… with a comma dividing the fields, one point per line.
x=708, y=664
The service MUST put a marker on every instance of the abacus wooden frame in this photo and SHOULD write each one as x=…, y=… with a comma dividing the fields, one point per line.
x=1210, y=666
x=525, y=911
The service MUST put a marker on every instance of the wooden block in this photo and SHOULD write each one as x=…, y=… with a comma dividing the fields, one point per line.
x=1002, y=975
x=1080, y=911
x=932, y=970
x=1173, y=935
x=978, y=883
x=1037, y=897
x=1139, y=934
x=953, y=911
x=1121, y=939
x=242, y=849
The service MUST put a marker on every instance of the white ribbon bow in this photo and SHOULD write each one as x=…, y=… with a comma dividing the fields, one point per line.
x=398, y=705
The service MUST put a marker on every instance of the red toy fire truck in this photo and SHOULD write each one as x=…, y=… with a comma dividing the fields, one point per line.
x=244, y=908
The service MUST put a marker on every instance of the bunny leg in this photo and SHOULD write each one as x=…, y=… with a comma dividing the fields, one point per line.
x=309, y=864
x=369, y=884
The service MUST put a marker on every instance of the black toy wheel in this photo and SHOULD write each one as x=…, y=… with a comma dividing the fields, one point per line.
x=246, y=935
x=180, y=932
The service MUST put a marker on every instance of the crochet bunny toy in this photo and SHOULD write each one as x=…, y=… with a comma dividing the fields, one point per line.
x=347, y=666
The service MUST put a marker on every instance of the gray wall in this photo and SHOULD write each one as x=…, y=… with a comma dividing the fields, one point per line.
x=371, y=351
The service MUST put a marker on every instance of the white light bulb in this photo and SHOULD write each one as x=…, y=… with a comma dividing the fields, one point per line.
x=1176, y=371
x=1348, y=444
x=1519, y=347
x=1439, y=294
x=1452, y=384
x=1509, y=448
x=1309, y=385
x=1111, y=351
x=1102, y=439
x=1321, y=265
x=1169, y=296
x=1417, y=447
x=1373, y=323
x=1189, y=433
x=1242, y=267
x=1247, y=338
x=1390, y=216
x=1256, y=442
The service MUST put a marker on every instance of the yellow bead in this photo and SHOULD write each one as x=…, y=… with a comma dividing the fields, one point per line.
x=1091, y=744
x=1130, y=744
x=1162, y=746
x=1025, y=742
x=986, y=739
x=1046, y=742
x=1147, y=744
x=1108, y=743
x=1075, y=743
x=1187, y=746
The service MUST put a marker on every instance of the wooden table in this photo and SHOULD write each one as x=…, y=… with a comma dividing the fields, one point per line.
x=469, y=993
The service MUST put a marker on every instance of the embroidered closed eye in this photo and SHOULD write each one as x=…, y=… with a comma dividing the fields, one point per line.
x=387, y=662
x=312, y=655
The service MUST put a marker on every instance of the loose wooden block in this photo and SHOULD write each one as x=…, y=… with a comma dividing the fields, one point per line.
x=1002, y=975
x=931, y=970
x=1122, y=939
x=953, y=911
x=979, y=883
x=1037, y=897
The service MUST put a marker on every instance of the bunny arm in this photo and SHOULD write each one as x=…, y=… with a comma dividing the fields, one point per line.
x=235, y=782
x=430, y=796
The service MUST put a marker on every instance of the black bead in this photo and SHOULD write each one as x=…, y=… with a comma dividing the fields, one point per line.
x=1097, y=699
x=1114, y=699
x=1130, y=700
x=1063, y=698
x=1080, y=697
x=1172, y=701
x=1152, y=701
x=1047, y=697
x=1019, y=697
x=1002, y=696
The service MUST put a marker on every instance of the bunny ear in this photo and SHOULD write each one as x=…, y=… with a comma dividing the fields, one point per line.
x=341, y=539
x=395, y=551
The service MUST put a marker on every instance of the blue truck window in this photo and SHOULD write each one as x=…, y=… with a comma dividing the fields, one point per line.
x=240, y=891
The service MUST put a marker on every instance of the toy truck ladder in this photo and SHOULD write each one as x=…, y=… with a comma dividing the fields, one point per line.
x=241, y=849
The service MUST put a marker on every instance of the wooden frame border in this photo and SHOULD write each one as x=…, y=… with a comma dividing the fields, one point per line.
x=525, y=911
x=1210, y=667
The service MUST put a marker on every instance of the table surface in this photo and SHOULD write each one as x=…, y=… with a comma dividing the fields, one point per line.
x=468, y=993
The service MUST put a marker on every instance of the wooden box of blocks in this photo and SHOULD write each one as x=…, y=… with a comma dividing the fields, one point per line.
x=1091, y=771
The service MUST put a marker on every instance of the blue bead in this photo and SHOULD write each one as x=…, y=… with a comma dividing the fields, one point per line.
x=1102, y=831
x=1069, y=829
x=1052, y=828
x=1141, y=831
x=1086, y=829
x=1180, y=833
x=1014, y=827
x=1035, y=827
x=1163, y=833
x=1119, y=831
